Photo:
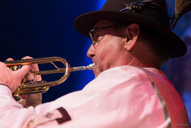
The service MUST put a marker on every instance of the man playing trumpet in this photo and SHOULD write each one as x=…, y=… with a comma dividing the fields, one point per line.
x=130, y=41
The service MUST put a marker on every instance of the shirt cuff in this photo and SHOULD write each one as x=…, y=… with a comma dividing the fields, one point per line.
x=4, y=85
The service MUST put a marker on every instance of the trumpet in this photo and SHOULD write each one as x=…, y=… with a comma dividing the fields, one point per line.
x=43, y=86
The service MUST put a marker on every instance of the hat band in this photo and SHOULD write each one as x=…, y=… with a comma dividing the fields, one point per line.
x=138, y=6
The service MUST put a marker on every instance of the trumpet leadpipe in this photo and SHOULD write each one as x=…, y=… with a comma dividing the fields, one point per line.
x=63, y=70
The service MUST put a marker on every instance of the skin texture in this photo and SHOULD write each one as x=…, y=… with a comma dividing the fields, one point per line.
x=12, y=78
x=116, y=47
x=17, y=76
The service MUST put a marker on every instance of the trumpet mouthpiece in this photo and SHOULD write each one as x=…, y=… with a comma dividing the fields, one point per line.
x=90, y=67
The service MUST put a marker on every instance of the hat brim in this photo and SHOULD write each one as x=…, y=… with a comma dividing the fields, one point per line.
x=85, y=22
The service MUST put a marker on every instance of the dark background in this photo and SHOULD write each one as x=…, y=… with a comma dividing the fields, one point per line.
x=44, y=28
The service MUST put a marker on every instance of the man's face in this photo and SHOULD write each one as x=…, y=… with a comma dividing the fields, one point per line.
x=109, y=49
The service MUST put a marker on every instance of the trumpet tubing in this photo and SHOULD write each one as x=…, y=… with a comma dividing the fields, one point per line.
x=42, y=86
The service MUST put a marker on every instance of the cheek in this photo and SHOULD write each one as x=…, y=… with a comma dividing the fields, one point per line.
x=101, y=57
x=104, y=52
x=111, y=46
x=107, y=53
x=109, y=50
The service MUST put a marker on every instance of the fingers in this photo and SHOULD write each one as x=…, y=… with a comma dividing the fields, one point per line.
x=34, y=99
x=22, y=71
x=13, y=78
x=34, y=67
x=22, y=101
x=18, y=76
x=31, y=100
x=10, y=59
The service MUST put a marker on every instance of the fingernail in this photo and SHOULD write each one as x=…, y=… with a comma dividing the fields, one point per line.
x=24, y=96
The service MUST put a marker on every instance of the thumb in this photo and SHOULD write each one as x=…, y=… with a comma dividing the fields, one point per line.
x=17, y=77
x=20, y=73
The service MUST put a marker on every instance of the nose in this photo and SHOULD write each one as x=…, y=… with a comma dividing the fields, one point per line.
x=91, y=52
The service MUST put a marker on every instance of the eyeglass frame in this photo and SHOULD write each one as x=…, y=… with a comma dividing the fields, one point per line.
x=93, y=42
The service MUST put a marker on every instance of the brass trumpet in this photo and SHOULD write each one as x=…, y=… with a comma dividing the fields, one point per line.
x=43, y=86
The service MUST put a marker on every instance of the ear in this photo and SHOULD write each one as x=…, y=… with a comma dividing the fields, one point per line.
x=132, y=32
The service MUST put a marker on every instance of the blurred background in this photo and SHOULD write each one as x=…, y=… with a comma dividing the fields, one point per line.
x=44, y=28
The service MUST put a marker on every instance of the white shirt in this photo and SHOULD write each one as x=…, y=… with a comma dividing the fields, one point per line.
x=121, y=97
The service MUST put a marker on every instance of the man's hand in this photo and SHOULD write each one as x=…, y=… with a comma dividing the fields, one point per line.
x=12, y=78
x=30, y=99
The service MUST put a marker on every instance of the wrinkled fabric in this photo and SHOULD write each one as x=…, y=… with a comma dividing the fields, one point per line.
x=121, y=97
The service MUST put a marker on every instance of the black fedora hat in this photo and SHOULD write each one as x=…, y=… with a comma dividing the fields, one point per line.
x=150, y=13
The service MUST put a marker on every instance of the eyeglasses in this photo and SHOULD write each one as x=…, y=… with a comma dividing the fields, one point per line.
x=95, y=37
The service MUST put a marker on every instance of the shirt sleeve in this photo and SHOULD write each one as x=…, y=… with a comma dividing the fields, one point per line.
x=12, y=114
x=117, y=98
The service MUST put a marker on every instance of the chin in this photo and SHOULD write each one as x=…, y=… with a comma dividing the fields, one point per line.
x=96, y=73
